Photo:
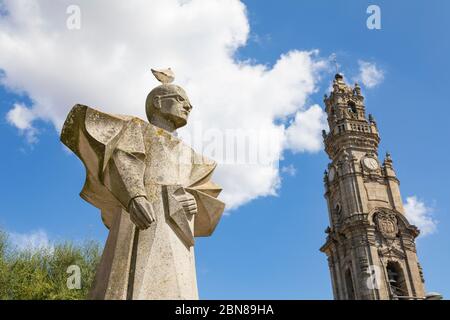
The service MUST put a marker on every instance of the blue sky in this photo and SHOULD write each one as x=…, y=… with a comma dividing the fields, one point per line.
x=268, y=248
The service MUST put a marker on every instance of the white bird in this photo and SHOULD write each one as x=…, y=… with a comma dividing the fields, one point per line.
x=164, y=75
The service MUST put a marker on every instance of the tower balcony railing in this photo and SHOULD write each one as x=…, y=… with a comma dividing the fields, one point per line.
x=354, y=127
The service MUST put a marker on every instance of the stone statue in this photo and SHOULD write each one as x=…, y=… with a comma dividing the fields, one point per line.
x=154, y=192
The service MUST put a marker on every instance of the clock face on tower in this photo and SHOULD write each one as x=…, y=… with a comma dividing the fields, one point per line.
x=371, y=163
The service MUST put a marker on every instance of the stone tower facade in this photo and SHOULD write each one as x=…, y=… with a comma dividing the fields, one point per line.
x=370, y=243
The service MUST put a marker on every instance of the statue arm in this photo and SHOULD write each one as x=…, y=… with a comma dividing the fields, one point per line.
x=113, y=153
x=209, y=208
x=124, y=177
x=209, y=211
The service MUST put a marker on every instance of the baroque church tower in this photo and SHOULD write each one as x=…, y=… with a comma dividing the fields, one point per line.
x=370, y=243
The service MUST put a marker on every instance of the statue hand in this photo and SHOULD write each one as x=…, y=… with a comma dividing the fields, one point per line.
x=141, y=212
x=188, y=202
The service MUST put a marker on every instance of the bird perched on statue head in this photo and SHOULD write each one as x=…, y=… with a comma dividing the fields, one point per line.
x=164, y=76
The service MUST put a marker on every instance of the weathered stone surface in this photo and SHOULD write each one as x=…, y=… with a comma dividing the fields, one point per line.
x=155, y=195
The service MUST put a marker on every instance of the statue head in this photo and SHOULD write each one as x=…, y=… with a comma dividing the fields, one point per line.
x=170, y=102
x=167, y=102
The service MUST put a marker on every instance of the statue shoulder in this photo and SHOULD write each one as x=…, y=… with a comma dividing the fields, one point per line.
x=102, y=127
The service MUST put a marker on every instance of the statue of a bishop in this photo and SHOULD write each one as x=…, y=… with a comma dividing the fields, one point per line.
x=154, y=192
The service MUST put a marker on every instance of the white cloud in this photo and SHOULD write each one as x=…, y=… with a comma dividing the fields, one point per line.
x=22, y=117
x=369, y=74
x=420, y=215
x=289, y=170
x=35, y=240
x=106, y=65
x=304, y=134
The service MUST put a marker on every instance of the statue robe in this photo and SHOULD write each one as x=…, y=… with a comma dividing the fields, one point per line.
x=126, y=157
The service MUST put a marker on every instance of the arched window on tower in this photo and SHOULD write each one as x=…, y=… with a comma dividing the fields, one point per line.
x=349, y=285
x=397, y=280
x=352, y=107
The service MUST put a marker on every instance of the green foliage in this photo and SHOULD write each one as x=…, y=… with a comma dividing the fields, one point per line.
x=41, y=274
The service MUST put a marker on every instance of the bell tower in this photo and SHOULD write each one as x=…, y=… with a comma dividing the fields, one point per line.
x=370, y=244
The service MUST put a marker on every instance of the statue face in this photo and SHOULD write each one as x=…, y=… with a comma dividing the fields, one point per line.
x=174, y=107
